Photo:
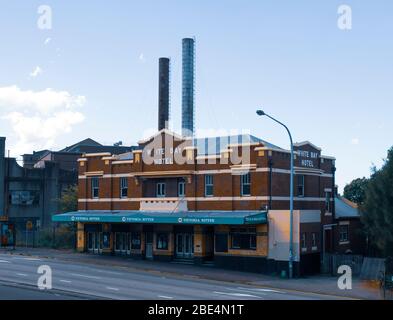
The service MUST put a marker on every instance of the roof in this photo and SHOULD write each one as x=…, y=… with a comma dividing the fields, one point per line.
x=86, y=142
x=188, y=217
x=345, y=208
x=213, y=145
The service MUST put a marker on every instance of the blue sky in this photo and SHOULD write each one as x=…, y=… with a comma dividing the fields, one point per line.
x=330, y=86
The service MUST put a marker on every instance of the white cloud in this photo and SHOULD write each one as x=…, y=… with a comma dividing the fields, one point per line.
x=38, y=118
x=355, y=141
x=44, y=101
x=47, y=40
x=36, y=72
x=142, y=57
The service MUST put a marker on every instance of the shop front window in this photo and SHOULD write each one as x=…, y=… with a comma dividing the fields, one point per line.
x=135, y=240
x=162, y=241
x=243, y=238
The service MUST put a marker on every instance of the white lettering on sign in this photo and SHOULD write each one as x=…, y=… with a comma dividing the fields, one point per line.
x=309, y=158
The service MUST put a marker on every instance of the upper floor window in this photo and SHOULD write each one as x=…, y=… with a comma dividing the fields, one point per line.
x=246, y=184
x=123, y=187
x=344, y=230
x=208, y=185
x=160, y=189
x=300, y=186
x=95, y=187
x=328, y=207
x=181, y=189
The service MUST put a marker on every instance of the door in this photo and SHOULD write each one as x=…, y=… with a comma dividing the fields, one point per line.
x=97, y=242
x=184, y=245
x=149, y=245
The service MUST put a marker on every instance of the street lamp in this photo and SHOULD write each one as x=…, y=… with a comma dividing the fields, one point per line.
x=290, y=262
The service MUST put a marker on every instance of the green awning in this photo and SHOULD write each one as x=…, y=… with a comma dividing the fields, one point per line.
x=189, y=217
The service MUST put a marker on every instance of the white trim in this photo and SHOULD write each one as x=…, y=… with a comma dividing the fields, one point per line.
x=314, y=248
x=343, y=223
x=123, y=162
x=244, y=198
x=81, y=159
x=99, y=154
x=94, y=173
x=199, y=172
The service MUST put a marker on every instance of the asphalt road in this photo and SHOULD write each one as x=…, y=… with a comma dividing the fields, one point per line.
x=19, y=276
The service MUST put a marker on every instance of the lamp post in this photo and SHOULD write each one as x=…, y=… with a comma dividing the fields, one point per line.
x=290, y=261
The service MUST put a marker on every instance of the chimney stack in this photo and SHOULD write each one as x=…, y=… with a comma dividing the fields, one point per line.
x=163, y=93
x=188, y=87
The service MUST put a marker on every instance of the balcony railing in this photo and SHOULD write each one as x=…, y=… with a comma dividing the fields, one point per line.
x=164, y=204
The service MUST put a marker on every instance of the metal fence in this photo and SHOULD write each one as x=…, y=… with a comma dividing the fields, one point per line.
x=49, y=238
x=331, y=263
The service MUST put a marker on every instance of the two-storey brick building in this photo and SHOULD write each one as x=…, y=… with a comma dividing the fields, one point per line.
x=222, y=201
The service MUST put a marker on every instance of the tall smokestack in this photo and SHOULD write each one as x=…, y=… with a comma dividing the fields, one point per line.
x=163, y=93
x=188, y=87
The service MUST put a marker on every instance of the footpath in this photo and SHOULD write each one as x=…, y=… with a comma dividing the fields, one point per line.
x=321, y=284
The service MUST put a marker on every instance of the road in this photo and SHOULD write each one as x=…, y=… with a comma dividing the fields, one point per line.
x=88, y=281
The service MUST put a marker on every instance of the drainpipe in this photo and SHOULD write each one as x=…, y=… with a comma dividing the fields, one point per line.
x=270, y=163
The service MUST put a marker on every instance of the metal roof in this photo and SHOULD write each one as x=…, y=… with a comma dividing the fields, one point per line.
x=345, y=208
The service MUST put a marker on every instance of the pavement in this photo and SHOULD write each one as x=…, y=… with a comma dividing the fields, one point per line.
x=155, y=280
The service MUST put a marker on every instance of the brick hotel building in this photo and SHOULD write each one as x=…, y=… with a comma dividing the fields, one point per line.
x=220, y=201
x=207, y=209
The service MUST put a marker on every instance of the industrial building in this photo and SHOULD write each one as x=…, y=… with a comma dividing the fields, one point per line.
x=30, y=191
x=222, y=201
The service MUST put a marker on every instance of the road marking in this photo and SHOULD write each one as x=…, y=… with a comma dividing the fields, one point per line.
x=22, y=274
x=260, y=289
x=5, y=261
x=65, y=281
x=237, y=294
x=111, y=288
x=165, y=297
x=85, y=276
x=27, y=259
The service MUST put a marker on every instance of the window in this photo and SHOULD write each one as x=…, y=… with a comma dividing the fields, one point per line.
x=135, y=240
x=243, y=238
x=300, y=186
x=344, y=230
x=162, y=241
x=181, y=189
x=303, y=241
x=123, y=187
x=246, y=184
x=314, y=240
x=24, y=198
x=95, y=186
x=160, y=192
x=327, y=202
x=208, y=185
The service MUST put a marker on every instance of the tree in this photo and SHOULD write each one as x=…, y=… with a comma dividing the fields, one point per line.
x=377, y=209
x=356, y=190
x=69, y=199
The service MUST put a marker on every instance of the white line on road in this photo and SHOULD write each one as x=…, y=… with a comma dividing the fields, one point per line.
x=111, y=288
x=27, y=259
x=261, y=290
x=4, y=261
x=84, y=276
x=22, y=274
x=165, y=297
x=65, y=281
x=236, y=294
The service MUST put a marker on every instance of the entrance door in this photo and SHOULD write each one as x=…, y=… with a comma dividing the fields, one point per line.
x=184, y=245
x=149, y=245
x=94, y=242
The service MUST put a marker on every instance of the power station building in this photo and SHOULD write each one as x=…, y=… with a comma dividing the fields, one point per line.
x=219, y=200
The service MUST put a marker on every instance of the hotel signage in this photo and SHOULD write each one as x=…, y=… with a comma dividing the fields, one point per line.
x=308, y=158
x=170, y=218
